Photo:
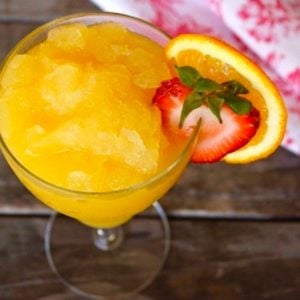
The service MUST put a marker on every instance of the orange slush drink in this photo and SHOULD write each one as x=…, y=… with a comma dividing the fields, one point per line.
x=80, y=129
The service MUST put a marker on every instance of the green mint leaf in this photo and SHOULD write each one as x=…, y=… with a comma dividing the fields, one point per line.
x=193, y=101
x=215, y=104
x=239, y=105
x=188, y=75
x=205, y=90
x=206, y=85
x=235, y=87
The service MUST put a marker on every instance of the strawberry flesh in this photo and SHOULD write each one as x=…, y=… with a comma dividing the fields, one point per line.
x=215, y=139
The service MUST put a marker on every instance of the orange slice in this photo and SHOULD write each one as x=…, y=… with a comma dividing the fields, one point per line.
x=219, y=61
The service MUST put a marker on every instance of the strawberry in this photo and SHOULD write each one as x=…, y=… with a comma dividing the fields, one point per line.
x=226, y=125
x=169, y=98
x=218, y=139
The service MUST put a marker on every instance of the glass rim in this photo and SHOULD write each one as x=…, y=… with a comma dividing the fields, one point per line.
x=134, y=187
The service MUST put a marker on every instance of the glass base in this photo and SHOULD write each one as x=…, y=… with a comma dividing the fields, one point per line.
x=89, y=269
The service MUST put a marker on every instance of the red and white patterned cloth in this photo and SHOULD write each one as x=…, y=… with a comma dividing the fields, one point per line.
x=266, y=30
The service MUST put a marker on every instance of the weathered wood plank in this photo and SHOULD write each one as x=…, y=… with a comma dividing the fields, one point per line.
x=209, y=260
x=32, y=11
x=265, y=189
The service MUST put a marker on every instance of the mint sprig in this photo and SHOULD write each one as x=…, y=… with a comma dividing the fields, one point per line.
x=213, y=94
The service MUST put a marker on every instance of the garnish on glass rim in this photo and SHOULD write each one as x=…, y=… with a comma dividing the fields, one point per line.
x=213, y=94
x=228, y=121
x=204, y=52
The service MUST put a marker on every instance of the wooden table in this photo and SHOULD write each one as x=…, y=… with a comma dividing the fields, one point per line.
x=236, y=229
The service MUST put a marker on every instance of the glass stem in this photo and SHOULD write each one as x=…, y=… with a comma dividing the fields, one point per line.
x=107, y=239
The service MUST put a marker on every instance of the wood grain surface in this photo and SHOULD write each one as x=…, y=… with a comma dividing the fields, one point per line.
x=40, y=11
x=209, y=260
x=235, y=228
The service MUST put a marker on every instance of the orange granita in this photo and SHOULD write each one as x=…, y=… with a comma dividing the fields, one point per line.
x=77, y=112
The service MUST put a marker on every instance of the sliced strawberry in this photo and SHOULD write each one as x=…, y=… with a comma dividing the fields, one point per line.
x=215, y=139
x=218, y=139
x=169, y=98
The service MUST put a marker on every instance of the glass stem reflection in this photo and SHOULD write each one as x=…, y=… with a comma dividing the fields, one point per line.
x=107, y=239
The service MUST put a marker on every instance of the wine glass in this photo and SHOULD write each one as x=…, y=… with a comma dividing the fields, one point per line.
x=102, y=249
